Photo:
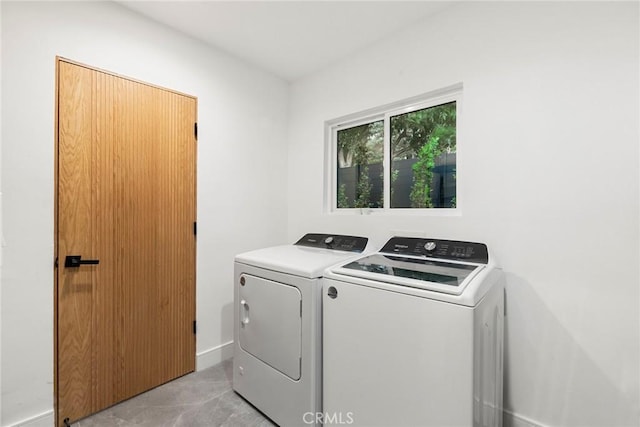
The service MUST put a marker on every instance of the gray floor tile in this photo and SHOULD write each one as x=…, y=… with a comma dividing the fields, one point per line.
x=204, y=398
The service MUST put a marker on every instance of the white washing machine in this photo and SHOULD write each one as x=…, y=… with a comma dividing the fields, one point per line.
x=277, y=359
x=413, y=336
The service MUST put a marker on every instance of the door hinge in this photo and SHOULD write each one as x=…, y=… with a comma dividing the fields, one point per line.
x=195, y=228
x=195, y=130
x=194, y=327
x=55, y=263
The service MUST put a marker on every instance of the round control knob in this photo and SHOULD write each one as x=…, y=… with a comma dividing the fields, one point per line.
x=329, y=240
x=430, y=246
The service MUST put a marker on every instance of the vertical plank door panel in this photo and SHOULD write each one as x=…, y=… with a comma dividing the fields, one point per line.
x=126, y=196
x=75, y=287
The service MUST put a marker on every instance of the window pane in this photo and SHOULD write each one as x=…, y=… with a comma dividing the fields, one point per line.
x=360, y=173
x=423, y=158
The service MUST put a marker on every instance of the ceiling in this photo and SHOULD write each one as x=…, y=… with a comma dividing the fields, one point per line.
x=288, y=38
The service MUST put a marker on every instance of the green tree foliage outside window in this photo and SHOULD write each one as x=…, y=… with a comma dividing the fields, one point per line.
x=422, y=149
x=358, y=148
x=426, y=138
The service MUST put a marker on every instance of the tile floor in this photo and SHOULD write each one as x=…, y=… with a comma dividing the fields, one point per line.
x=200, y=399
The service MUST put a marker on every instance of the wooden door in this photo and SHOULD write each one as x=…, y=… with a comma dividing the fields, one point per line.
x=126, y=198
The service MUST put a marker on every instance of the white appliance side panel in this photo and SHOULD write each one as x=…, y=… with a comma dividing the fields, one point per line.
x=488, y=359
x=392, y=359
x=270, y=323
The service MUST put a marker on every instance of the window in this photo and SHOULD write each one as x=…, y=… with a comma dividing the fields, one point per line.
x=401, y=156
x=360, y=172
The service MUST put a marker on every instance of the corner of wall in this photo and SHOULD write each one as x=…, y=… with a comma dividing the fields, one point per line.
x=213, y=356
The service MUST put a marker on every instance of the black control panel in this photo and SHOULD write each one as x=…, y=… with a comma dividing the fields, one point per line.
x=433, y=248
x=333, y=241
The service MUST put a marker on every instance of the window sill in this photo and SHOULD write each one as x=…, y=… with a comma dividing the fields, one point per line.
x=434, y=212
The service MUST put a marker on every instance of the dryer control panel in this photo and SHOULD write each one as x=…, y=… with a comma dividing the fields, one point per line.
x=434, y=248
x=334, y=241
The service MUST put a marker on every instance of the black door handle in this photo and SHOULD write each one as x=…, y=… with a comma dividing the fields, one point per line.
x=76, y=261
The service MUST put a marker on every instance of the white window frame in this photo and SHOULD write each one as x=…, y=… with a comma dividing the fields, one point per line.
x=385, y=112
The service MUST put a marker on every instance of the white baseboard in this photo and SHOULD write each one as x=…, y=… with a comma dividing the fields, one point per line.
x=213, y=356
x=204, y=360
x=512, y=419
x=44, y=419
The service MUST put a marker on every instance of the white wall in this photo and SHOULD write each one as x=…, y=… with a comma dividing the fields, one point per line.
x=1, y=237
x=549, y=159
x=548, y=169
x=241, y=159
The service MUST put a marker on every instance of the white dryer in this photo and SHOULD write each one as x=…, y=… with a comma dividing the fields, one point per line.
x=413, y=336
x=277, y=359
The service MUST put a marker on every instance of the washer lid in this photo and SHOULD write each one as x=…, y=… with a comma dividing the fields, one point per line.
x=297, y=260
x=449, y=277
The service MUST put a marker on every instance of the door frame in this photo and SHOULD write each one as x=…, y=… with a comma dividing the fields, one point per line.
x=56, y=260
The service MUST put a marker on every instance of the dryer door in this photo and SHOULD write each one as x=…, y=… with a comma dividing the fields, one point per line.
x=270, y=323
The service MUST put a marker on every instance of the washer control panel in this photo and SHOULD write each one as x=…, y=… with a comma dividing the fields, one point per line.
x=435, y=248
x=334, y=241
